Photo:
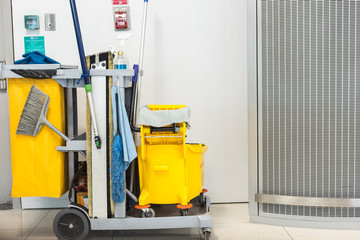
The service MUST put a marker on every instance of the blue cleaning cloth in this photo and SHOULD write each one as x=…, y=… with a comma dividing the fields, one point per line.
x=119, y=164
x=35, y=57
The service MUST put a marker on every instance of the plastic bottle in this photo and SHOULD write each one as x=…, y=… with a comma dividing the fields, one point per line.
x=120, y=61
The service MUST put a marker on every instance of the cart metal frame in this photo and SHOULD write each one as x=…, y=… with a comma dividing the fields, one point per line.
x=68, y=76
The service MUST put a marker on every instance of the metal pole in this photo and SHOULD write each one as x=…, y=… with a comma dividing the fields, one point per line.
x=141, y=62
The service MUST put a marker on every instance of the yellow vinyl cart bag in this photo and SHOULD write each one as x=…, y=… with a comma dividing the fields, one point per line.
x=38, y=169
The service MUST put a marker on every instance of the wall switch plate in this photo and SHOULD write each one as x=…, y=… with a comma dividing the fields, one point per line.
x=31, y=22
x=50, y=23
x=3, y=84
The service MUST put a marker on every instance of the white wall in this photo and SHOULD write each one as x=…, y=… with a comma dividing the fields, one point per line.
x=195, y=54
x=2, y=39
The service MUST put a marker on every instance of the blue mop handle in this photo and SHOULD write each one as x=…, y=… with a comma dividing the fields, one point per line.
x=79, y=42
x=85, y=74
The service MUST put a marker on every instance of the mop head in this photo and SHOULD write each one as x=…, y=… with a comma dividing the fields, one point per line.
x=117, y=170
x=35, y=108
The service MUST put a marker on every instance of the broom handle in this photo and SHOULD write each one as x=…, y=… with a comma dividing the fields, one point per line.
x=52, y=127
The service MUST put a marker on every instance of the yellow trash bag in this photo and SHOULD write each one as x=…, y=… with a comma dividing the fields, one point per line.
x=38, y=169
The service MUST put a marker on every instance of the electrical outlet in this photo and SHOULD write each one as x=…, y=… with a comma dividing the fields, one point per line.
x=50, y=23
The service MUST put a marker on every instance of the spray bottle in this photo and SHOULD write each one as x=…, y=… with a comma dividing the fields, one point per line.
x=120, y=59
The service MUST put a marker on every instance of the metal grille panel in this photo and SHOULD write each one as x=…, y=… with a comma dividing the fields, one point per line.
x=310, y=102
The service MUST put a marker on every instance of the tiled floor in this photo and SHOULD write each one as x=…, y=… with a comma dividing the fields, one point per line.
x=231, y=221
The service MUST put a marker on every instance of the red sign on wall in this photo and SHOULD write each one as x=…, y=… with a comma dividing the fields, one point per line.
x=121, y=21
x=120, y=2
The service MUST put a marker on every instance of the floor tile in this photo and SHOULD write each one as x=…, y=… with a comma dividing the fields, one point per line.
x=322, y=234
x=227, y=213
x=247, y=231
x=101, y=235
x=21, y=219
x=47, y=221
x=15, y=234
x=44, y=230
x=230, y=221
x=43, y=234
x=176, y=234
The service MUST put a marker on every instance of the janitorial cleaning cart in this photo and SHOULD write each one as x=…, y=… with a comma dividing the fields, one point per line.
x=158, y=184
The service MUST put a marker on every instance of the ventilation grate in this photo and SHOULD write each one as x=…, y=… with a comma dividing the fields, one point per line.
x=310, y=90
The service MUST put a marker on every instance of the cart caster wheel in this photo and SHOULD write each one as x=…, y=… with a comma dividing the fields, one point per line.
x=202, y=200
x=71, y=224
x=148, y=212
x=184, y=212
x=207, y=233
x=202, y=197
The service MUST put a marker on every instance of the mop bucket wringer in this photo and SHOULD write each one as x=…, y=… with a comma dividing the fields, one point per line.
x=171, y=171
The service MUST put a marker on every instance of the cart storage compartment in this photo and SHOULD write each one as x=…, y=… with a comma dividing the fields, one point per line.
x=38, y=169
x=169, y=175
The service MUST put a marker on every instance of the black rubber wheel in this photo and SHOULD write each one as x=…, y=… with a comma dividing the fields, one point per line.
x=71, y=224
x=184, y=212
x=148, y=214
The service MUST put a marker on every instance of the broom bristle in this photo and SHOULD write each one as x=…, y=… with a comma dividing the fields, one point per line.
x=31, y=113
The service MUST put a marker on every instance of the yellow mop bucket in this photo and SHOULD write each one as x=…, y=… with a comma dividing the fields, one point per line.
x=170, y=170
